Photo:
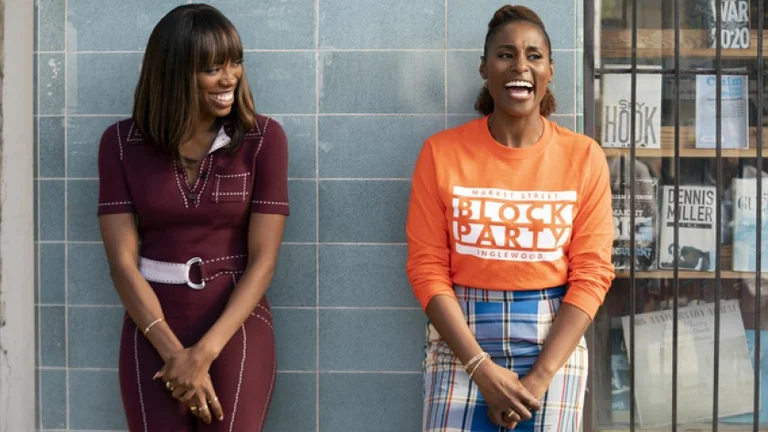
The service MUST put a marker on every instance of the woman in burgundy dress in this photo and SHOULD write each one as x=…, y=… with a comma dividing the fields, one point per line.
x=192, y=204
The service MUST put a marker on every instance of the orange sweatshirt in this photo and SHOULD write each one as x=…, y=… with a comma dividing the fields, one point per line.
x=488, y=216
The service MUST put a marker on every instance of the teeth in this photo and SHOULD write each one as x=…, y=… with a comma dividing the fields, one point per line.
x=224, y=97
x=518, y=83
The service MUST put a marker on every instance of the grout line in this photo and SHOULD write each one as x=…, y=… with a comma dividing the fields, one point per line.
x=445, y=64
x=317, y=214
x=353, y=308
x=38, y=271
x=66, y=219
x=355, y=114
x=304, y=50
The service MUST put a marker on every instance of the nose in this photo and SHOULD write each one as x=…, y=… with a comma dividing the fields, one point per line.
x=229, y=77
x=520, y=64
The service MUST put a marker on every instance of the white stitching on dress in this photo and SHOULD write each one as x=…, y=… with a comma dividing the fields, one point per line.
x=119, y=140
x=115, y=203
x=178, y=183
x=240, y=379
x=230, y=272
x=205, y=182
x=271, y=203
x=232, y=175
x=261, y=141
x=224, y=258
x=269, y=313
x=269, y=393
x=138, y=377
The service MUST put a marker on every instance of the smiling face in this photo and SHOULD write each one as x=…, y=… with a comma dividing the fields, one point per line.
x=217, y=87
x=517, y=69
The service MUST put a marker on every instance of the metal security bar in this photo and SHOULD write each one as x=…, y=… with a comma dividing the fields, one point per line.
x=593, y=415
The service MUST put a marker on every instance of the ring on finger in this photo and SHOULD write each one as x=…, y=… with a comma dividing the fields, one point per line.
x=168, y=385
x=193, y=409
x=512, y=416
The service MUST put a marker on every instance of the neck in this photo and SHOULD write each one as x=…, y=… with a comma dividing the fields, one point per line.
x=205, y=125
x=515, y=132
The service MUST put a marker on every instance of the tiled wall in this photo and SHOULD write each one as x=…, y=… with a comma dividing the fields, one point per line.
x=358, y=85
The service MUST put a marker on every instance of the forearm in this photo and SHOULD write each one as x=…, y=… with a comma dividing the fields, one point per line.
x=142, y=305
x=248, y=292
x=567, y=330
x=446, y=316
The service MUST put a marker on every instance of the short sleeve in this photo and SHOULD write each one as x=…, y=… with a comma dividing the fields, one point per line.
x=114, y=195
x=270, y=186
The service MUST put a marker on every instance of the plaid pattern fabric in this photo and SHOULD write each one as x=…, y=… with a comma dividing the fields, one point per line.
x=511, y=326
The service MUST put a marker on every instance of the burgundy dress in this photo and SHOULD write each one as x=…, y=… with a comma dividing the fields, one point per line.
x=209, y=220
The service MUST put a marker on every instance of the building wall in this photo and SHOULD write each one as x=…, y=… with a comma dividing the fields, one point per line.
x=357, y=85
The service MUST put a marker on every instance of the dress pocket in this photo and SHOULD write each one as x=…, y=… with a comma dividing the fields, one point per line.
x=231, y=187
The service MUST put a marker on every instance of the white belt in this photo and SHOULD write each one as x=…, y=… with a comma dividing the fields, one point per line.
x=169, y=273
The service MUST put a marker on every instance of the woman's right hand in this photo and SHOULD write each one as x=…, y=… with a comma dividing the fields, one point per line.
x=202, y=402
x=504, y=394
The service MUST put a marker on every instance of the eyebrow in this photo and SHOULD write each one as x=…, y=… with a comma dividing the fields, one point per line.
x=512, y=47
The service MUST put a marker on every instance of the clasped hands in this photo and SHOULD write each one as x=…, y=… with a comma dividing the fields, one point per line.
x=510, y=399
x=185, y=374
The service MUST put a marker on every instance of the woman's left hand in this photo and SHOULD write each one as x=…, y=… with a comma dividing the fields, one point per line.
x=185, y=372
x=537, y=386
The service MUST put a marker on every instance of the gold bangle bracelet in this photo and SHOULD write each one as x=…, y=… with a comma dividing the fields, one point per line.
x=473, y=360
x=476, y=366
x=152, y=324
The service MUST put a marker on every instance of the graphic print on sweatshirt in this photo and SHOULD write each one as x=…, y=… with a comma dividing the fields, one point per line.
x=507, y=225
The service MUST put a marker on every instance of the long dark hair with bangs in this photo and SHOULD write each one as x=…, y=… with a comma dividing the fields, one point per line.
x=189, y=39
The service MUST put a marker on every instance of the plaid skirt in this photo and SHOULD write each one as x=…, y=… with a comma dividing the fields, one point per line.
x=512, y=327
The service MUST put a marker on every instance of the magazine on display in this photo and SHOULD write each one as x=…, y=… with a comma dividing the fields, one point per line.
x=734, y=108
x=646, y=222
x=745, y=207
x=617, y=109
x=734, y=30
x=695, y=351
x=696, y=228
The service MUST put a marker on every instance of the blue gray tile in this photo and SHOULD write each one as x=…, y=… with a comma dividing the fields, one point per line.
x=53, y=391
x=50, y=84
x=580, y=123
x=51, y=209
x=113, y=26
x=52, y=335
x=51, y=25
x=88, y=277
x=271, y=24
x=83, y=137
x=294, y=393
x=282, y=82
x=468, y=21
x=566, y=121
x=102, y=84
x=364, y=276
x=300, y=131
x=94, y=336
x=371, y=340
x=381, y=402
x=36, y=210
x=296, y=339
x=82, y=197
x=373, y=146
x=37, y=390
x=579, y=81
x=363, y=211
x=52, y=273
x=295, y=280
x=51, y=147
x=369, y=24
x=464, y=81
x=301, y=224
x=563, y=85
x=94, y=401
x=382, y=82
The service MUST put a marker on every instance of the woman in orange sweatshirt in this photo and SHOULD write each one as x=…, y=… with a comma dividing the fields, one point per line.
x=509, y=248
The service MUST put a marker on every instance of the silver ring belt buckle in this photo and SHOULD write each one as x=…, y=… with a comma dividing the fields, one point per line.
x=171, y=272
x=189, y=264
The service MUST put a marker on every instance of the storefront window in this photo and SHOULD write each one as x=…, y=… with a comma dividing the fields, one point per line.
x=693, y=366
